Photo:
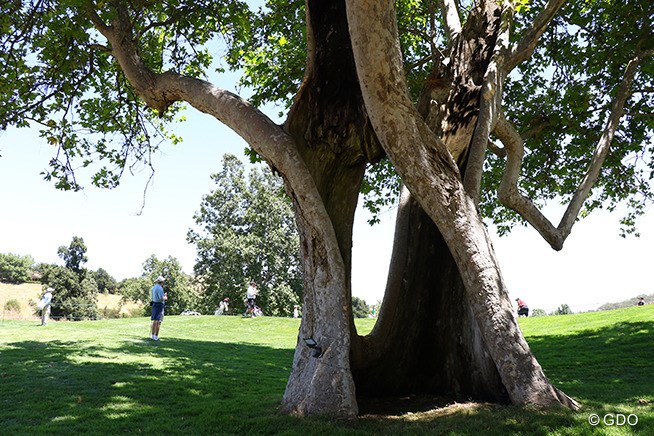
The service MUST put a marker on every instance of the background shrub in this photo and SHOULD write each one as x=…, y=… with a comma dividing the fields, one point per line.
x=12, y=305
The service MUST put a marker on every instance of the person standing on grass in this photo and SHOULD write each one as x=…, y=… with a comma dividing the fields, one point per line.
x=223, y=307
x=523, y=309
x=46, y=306
x=158, y=301
x=251, y=297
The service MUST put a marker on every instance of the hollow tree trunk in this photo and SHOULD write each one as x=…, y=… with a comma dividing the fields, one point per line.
x=446, y=325
x=426, y=340
x=428, y=170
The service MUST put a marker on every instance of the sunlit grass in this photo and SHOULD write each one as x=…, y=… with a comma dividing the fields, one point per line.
x=226, y=375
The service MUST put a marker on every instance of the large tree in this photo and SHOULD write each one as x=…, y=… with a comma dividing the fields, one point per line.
x=245, y=230
x=74, y=255
x=562, y=95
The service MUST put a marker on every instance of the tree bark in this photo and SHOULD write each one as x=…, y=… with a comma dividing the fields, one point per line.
x=426, y=340
x=430, y=173
x=333, y=135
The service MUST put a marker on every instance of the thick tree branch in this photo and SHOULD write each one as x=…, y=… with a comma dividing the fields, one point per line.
x=268, y=139
x=491, y=100
x=124, y=50
x=525, y=47
x=496, y=149
x=452, y=19
x=511, y=197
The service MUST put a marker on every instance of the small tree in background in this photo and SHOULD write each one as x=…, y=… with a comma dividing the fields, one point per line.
x=106, y=283
x=538, y=312
x=360, y=308
x=76, y=290
x=136, y=289
x=12, y=305
x=563, y=309
x=15, y=268
x=74, y=298
x=74, y=255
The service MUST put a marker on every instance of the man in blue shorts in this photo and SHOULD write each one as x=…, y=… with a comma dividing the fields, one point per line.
x=158, y=299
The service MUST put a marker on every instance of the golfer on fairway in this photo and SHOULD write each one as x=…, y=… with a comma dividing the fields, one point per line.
x=158, y=299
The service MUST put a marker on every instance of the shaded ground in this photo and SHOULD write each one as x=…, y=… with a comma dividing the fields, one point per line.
x=397, y=406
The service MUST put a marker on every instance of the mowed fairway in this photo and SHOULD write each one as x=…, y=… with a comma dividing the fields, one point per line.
x=226, y=375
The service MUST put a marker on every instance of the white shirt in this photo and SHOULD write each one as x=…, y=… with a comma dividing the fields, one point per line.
x=251, y=292
x=47, y=298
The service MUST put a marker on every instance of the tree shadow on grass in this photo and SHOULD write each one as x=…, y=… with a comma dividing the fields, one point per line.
x=608, y=365
x=140, y=386
x=609, y=370
x=202, y=387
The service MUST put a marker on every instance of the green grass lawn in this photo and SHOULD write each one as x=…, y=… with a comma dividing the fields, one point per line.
x=226, y=375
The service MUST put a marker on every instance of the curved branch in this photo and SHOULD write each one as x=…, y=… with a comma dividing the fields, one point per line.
x=268, y=139
x=510, y=196
x=526, y=46
x=491, y=99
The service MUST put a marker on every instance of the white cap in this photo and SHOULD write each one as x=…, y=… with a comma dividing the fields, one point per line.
x=49, y=290
x=160, y=279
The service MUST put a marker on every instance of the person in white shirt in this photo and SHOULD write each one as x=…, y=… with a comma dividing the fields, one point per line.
x=46, y=306
x=159, y=297
x=223, y=307
x=251, y=297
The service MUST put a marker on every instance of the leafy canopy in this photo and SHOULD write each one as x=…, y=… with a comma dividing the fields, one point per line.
x=15, y=268
x=58, y=74
x=561, y=97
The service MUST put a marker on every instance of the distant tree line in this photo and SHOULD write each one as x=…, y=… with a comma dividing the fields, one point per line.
x=245, y=230
x=15, y=268
x=564, y=309
x=627, y=303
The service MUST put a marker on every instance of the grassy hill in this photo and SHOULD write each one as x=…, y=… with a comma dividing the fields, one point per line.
x=605, y=359
x=25, y=292
x=22, y=293
x=226, y=375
